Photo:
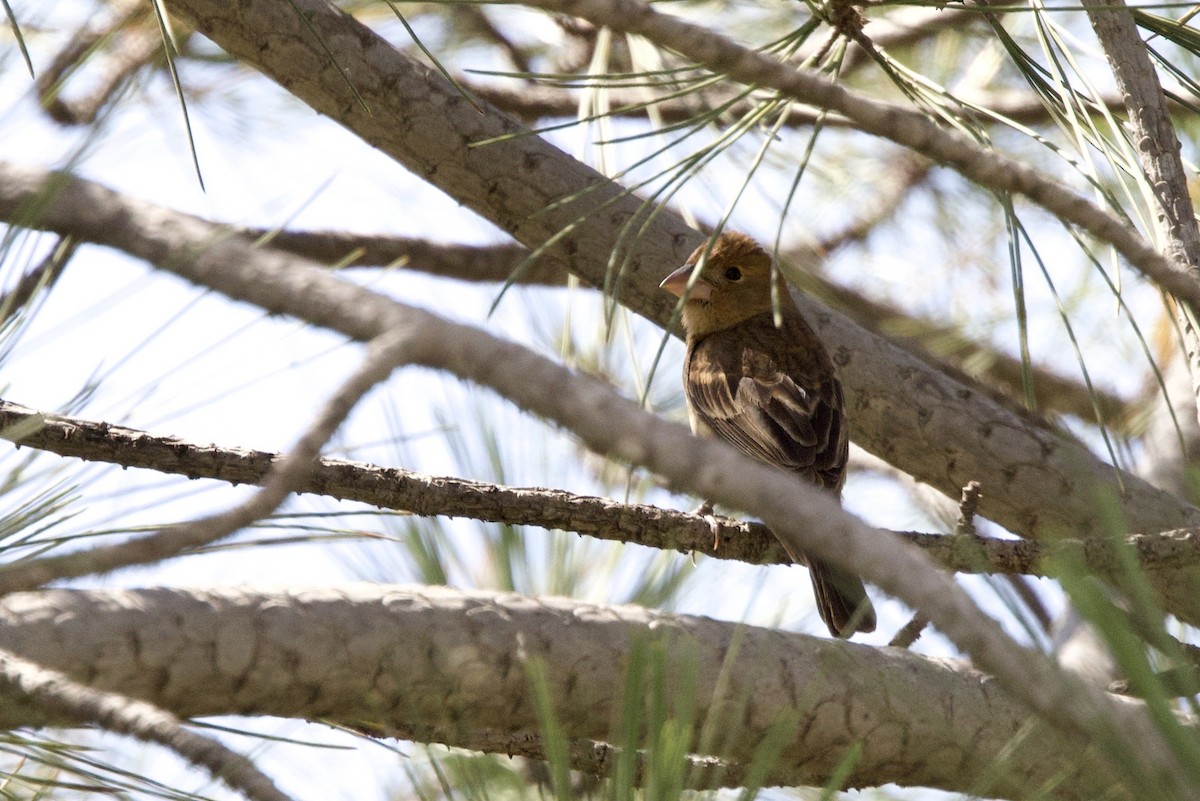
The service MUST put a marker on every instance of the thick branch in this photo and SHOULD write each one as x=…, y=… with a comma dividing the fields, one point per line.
x=943, y=347
x=431, y=662
x=938, y=344
x=934, y=428
x=484, y=263
x=604, y=518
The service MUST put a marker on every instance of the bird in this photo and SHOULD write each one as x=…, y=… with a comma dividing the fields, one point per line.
x=757, y=376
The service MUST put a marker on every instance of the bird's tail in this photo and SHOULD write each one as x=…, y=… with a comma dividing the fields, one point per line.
x=842, y=600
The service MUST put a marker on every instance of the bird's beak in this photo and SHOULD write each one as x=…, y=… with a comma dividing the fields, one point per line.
x=677, y=284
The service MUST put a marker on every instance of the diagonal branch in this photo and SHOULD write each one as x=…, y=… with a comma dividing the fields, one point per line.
x=1158, y=150
x=934, y=428
x=803, y=517
x=47, y=695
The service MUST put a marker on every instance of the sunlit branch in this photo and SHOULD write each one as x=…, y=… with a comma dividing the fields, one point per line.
x=443, y=665
x=604, y=518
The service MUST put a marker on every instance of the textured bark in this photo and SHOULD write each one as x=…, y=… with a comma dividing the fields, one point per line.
x=1153, y=135
x=933, y=427
x=435, y=660
x=1161, y=554
x=33, y=692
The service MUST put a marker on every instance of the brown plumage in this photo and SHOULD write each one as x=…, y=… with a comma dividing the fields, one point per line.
x=771, y=391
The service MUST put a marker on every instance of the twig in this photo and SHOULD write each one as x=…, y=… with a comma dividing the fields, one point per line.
x=130, y=45
x=39, y=279
x=972, y=493
x=911, y=632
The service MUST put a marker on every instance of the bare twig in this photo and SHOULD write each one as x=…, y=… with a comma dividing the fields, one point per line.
x=911, y=632
x=129, y=44
x=39, y=279
x=1157, y=146
x=971, y=495
x=475, y=17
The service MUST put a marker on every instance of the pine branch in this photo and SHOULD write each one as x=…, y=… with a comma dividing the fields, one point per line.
x=436, y=664
x=604, y=518
x=933, y=427
x=45, y=695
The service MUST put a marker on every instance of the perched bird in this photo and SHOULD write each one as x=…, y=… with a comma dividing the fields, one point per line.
x=770, y=390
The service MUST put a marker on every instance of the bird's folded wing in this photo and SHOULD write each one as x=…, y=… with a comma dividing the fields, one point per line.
x=771, y=419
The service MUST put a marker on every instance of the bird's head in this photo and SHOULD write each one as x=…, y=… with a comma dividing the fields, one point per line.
x=724, y=284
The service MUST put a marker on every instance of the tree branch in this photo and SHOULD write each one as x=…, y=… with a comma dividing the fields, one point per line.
x=41, y=695
x=432, y=663
x=1158, y=150
x=603, y=518
x=936, y=429
x=129, y=39
x=941, y=346
x=531, y=102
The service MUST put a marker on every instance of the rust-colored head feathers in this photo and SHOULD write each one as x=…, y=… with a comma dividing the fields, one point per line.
x=732, y=285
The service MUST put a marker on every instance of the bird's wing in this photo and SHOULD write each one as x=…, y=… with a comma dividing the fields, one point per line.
x=765, y=412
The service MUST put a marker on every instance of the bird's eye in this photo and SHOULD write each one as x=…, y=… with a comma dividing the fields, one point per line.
x=733, y=274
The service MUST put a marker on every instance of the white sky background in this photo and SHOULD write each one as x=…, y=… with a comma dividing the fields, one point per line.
x=174, y=362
